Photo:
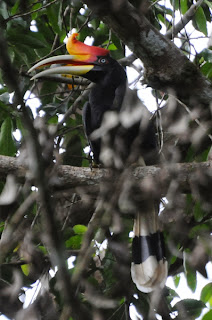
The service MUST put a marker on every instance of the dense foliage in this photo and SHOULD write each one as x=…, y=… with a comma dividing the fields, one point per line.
x=43, y=224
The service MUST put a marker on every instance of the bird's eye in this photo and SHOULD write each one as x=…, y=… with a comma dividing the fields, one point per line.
x=102, y=60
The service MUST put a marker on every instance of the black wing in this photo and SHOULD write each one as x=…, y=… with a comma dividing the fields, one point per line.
x=89, y=128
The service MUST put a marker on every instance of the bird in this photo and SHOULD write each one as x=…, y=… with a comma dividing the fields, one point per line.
x=149, y=264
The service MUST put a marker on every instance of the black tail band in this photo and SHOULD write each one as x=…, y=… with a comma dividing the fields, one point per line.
x=145, y=246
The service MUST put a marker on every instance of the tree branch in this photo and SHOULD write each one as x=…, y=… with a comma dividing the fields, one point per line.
x=184, y=20
x=166, y=66
x=15, y=16
x=76, y=177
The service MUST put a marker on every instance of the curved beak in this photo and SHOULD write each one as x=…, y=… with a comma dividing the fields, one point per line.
x=69, y=64
x=81, y=59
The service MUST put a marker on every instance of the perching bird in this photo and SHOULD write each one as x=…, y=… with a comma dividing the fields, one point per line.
x=149, y=266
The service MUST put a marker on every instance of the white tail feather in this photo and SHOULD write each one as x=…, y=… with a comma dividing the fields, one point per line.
x=149, y=268
x=149, y=275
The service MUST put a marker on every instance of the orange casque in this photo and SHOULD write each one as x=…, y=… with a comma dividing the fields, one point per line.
x=86, y=53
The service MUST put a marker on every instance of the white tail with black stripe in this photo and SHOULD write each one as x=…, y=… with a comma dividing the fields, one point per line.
x=149, y=265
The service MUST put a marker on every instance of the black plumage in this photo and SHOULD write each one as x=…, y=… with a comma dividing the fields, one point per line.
x=106, y=95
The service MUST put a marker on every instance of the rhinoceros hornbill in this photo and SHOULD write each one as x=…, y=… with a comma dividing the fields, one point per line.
x=149, y=266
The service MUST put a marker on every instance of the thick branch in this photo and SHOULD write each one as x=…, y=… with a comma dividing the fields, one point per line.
x=76, y=177
x=166, y=66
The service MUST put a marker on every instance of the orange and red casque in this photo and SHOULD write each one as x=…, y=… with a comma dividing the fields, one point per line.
x=86, y=53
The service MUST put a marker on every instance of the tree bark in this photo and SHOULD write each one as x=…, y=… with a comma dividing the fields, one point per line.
x=76, y=177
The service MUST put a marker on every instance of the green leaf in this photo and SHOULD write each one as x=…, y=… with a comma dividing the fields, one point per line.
x=16, y=24
x=201, y=21
x=207, y=55
x=206, y=294
x=198, y=230
x=35, y=7
x=190, y=274
x=53, y=120
x=4, y=97
x=3, y=10
x=52, y=13
x=172, y=294
x=176, y=280
x=43, y=249
x=208, y=316
x=189, y=308
x=46, y=97
x=191, y=278
x=116, y=41
x=173, y=259
x=161, y=18
x=7, y=142
x=163, y=10
x=74, y=242
x=20, y=52
x=15, y=7
x=183, y=6
x=206, y=69
x=25, y=269
x=198, y=212
x=95, y=23
x=80, y=229
x=112, y=47
x=30, y=40
x=51, y=109
x=175, y=4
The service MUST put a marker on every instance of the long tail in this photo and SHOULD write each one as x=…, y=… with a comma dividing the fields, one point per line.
x=149, y=265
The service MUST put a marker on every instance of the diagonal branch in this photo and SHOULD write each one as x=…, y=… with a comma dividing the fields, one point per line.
x=184, y=20
x=16, y=16
x=166, y=66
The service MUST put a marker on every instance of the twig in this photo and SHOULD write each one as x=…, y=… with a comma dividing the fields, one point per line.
x=75, y=105
x=74, y=197
x=7, y=235
x=159, y=124
x=127, y=61
x=35, y=218
x=204, y=129
x=87, y=247
x=184, y=20
x=56, y=38
x=85, y=23
x=50, y=53
x=15, y=16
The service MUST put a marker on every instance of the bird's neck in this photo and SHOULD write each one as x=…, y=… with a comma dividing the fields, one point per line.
x=101, y=98
x=106, y=98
